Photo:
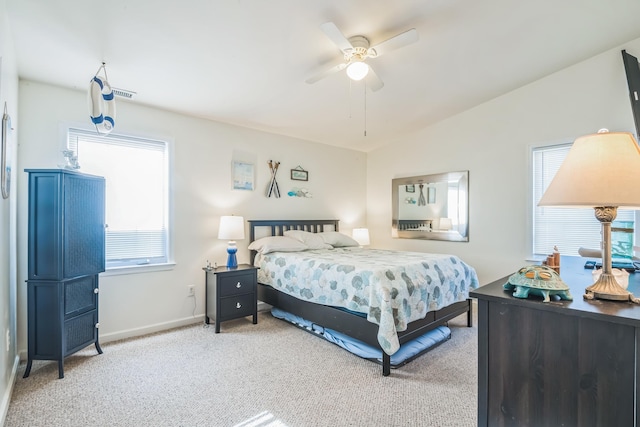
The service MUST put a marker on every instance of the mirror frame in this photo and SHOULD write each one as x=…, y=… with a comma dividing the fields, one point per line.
x=460, y=234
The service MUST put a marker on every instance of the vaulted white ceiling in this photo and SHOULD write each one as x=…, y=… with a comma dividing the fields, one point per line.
x=245, y=62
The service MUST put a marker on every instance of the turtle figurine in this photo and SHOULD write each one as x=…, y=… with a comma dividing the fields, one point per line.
x=537, y=280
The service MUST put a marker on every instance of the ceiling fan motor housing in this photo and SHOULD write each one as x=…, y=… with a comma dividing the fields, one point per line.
x=360, y=51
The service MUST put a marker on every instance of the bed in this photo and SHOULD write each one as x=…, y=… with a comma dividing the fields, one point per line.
x=380, y=317
x=415, y=224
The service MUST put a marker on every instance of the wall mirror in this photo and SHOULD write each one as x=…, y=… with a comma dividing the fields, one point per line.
x=434, y=207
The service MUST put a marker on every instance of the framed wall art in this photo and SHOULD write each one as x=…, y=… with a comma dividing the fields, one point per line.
x=431, y=195
x=299, y=174
x=242, y=176
x=5, y=161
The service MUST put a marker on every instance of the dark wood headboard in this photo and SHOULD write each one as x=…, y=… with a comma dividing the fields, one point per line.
x=277, y=227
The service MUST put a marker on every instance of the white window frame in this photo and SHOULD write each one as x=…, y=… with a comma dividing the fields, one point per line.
x=532, y=204
x=169, y=144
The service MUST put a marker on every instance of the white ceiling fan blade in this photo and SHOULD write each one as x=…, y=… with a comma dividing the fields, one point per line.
x=396, y=42
x=321, y=75
x=336, y=36
x=373, y=81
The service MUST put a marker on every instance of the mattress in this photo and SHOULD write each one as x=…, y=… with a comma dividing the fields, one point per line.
x=391, y=288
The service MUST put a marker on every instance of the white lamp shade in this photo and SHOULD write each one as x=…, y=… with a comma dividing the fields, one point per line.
x=361, y=235
x=601, y=169
x=357, y=70
x=231, y=228
x=445, y=224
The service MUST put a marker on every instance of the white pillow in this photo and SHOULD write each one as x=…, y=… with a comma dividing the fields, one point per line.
x=337, y=239
x=312, y=240
x=277, y=244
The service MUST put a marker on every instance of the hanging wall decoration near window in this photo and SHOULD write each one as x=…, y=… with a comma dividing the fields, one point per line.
x=299, y=174
x=102, y=103
x=300, y=192
x=272, y=188
x=5, y=162
x=242, y=176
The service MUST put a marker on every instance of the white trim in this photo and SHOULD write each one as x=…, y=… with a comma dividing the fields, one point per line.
x=134, y=269
x=6, y=399
x=158, y=327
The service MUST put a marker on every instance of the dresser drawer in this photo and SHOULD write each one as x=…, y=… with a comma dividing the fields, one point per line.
x=237, y=306
x=237, y=284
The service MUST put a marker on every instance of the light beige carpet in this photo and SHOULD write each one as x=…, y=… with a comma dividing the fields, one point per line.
x=269, y=374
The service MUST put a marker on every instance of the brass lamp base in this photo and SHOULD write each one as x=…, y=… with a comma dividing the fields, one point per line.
x=607, y=288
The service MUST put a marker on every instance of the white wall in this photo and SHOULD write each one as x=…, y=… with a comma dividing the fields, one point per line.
x=8, y=282
x=203, y=150
x=493, y=142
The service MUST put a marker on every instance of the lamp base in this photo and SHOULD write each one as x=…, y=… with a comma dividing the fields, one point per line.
x=232, y=261
x=607, y=288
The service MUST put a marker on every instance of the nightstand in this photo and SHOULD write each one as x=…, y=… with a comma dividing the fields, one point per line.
x=230, y=293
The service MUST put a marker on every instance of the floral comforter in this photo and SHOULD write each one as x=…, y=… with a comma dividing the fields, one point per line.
x=392, y=288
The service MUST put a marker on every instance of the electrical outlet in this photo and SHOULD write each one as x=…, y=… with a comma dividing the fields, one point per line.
x=192, y=290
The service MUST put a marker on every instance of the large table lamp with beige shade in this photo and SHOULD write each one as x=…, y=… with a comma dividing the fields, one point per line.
x=601, y=171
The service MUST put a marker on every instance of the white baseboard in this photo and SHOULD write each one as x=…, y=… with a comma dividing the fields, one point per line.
x=136, y=332
x=6, y=398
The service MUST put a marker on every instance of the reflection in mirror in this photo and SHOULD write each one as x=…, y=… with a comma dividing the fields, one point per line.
x=432, y=207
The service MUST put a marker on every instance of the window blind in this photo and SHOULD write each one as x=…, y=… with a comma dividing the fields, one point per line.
x=136, y=174
x=566, y=228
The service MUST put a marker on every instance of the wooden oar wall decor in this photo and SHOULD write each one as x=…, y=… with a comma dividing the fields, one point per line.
x=273, y=189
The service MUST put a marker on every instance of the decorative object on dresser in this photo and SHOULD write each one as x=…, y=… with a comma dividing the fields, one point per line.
x=564, y=363
x=601, y=171
x=233, y=294
x=357, y=309
x=231, y=229
x=539, y=280
x=66, y=247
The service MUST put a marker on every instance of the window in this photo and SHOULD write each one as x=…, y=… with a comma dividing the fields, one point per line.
x=570, y=228
x=137, y=193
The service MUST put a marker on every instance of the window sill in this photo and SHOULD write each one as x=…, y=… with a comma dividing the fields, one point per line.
x=135, y=269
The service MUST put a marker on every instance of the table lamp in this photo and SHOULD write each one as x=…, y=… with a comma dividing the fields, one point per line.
x=361, y=235
x=445, y=224
x=231, y=229
x=601, y=171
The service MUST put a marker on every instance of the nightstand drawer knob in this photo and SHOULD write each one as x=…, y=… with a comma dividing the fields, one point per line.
x=238, y=305
x=238, y=285
x=96, y=290
x=97, y=325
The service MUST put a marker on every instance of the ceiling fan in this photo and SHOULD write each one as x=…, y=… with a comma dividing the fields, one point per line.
x=357, y=50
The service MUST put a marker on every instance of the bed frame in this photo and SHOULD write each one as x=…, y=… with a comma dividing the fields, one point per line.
x=334, y=318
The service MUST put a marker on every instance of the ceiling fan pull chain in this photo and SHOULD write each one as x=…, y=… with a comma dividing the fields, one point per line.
x=350, y=98
x=365, y=109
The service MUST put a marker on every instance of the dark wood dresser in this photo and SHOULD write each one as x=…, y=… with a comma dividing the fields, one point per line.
x=561, y=363
x=66, y=246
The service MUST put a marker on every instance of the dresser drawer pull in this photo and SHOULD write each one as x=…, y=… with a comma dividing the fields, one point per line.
x=96, y=290
x=97, y=325
x=238, y=285
x=238, y=305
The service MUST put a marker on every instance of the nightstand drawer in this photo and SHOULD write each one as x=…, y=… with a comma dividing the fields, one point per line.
x=237, y=306
x=237, y=284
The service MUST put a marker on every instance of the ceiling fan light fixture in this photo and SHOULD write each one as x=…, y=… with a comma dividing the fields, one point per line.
x=357, y=70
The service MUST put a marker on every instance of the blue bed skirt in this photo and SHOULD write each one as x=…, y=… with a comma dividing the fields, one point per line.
x=407, y=351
